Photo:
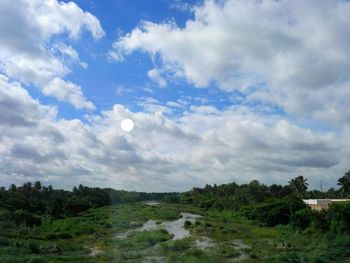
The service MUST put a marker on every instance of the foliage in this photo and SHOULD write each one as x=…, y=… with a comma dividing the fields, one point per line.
x=275, y=211
x=344, y=183
x=25, y=204
x=298, y=185
x=251, y=221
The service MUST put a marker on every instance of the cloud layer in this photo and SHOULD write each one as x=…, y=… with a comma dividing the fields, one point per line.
x=161, y=153
x=275, y=53
x=31, y=51
x=291, y=53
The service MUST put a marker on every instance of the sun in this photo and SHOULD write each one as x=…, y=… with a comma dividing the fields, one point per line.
x=127, y=125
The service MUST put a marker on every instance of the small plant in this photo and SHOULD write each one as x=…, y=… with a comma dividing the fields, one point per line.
x=36, y=260
x=108, y=225
x=65, y=235
x=187, y=224
x=34, y=247
x=177, y=245
x=50, y=236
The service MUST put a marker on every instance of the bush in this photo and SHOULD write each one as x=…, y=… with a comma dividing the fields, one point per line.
x=4, y=242
x=34, y=247
x=302, y=219
x=196, y=252
x=177, y=245
x=24, y=217
x=108, y=225
x=65, y=235
x=187, y=224
x=36, y=260
x=291, y=257
x=50, y=236
x=274, y=211
x=145, y=239
x=338, y=215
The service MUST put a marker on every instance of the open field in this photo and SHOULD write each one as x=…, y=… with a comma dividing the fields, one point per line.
x=115, y=234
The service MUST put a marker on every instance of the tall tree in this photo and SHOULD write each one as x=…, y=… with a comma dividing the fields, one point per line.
x=37, y=185
x=344, y=183
x=299, y=185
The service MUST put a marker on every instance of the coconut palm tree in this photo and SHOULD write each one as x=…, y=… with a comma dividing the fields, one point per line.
x=298, y=185
x=344, y=183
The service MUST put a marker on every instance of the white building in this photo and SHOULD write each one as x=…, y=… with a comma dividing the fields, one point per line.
x=319, y=204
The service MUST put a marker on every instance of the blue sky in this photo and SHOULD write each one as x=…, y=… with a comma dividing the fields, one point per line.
x=219, y=91
x=103, y=78
x=107, y=82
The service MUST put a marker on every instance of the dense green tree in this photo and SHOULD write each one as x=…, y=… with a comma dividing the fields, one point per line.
x=13, y=188
x=302, y=218
x=37, y=185
x=298, y=185
x=344, y=183
x=338, y=215
x=268, y=205
x=275, y=211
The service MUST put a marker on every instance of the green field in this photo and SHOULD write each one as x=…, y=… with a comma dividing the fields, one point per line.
x=106, y=235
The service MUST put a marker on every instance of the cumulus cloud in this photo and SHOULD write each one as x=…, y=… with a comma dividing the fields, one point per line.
x=67, y=91
x=28, y=52
x=285, y=50
x=203, y=145
x=156, y=77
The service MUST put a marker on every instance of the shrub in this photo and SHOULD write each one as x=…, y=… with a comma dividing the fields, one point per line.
x=275, y=211
x=36, y=260
x=34, y=247
x=338, y=215
x=50, y=236
x=302, y=219
x=24, y=217
x=4, y=242
x=291, y=257
x=187, y=224
x=177, y=245
x=65, y=235
x=196, y=252
x=108, y=225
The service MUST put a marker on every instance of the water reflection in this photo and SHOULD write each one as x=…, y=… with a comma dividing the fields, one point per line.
x=152, y=203
x=175, y=227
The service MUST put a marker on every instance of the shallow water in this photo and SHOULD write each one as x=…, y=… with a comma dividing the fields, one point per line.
x=174, y=227
x=152, y=203
x=94, y=251
x=240, y=244
x=204, y=243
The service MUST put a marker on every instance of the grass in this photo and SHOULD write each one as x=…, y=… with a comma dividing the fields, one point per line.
x=93, y=237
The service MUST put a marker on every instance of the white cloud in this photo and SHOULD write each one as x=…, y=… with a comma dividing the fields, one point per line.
x=67, y=91
x=203, y=145
x=232, y=43
x=156, y=77
x=27, y=51
x=152, y=105
x=297, y=49
x=58, y=17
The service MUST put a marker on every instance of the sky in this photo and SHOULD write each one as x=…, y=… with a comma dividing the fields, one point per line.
x=218, y=91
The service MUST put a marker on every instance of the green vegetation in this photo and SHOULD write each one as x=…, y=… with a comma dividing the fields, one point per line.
x=238, y=223
x=109, y=234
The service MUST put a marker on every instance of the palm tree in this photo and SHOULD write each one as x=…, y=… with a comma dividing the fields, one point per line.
x=344, y=183
x=298, y=185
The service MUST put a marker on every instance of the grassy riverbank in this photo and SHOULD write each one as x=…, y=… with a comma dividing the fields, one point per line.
x=95, y=236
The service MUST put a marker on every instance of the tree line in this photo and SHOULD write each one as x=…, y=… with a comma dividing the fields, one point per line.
x=277, y=204
x=267, y=205
x=28, y=203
